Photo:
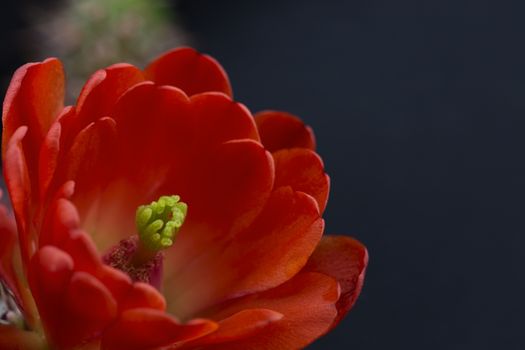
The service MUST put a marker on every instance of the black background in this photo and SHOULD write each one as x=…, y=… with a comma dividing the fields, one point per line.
x=419, y=111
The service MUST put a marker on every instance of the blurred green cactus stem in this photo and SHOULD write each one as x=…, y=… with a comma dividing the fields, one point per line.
x=89, y=34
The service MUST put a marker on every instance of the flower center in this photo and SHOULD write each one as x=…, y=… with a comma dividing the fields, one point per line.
x=157, y=225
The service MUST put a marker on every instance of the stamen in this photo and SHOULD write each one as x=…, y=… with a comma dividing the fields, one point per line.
x=157, y=225
x=159, y=222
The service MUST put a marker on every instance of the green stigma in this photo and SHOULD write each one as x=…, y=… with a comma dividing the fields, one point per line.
x=159, y=222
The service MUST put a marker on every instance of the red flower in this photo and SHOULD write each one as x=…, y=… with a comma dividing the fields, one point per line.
x=248, y=269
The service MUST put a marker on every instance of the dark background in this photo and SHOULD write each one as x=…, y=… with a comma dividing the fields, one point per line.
x=419, y=112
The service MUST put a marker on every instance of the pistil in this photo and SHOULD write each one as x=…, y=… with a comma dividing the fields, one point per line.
x=141, y=256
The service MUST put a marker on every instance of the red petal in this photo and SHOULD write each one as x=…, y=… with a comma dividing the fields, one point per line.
x=88, y=309
x=219, y=119
x=307, y=303
x=164, y=119
x=52, y=148
x=61, y=228
x=345, y=259
x=19, y=186
x=149, y=328
x=89, y=162
x=80, y=246
x=272, y=250
x=303, y=170
x=48, y=157
x=49, y=275
x=130, y=295
x=74, y=306
x=12, y=338
x=239, y=175
x=90, y=155
x=88, y=298
x=190, y=71
x=278, y=243
x=143, y=295
x=34, y=98
x=152, y=118
x=239, y=326
x=116, y=281
x=61, y=219
x=280, y=130
x=101, y=92
x=99, y=96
